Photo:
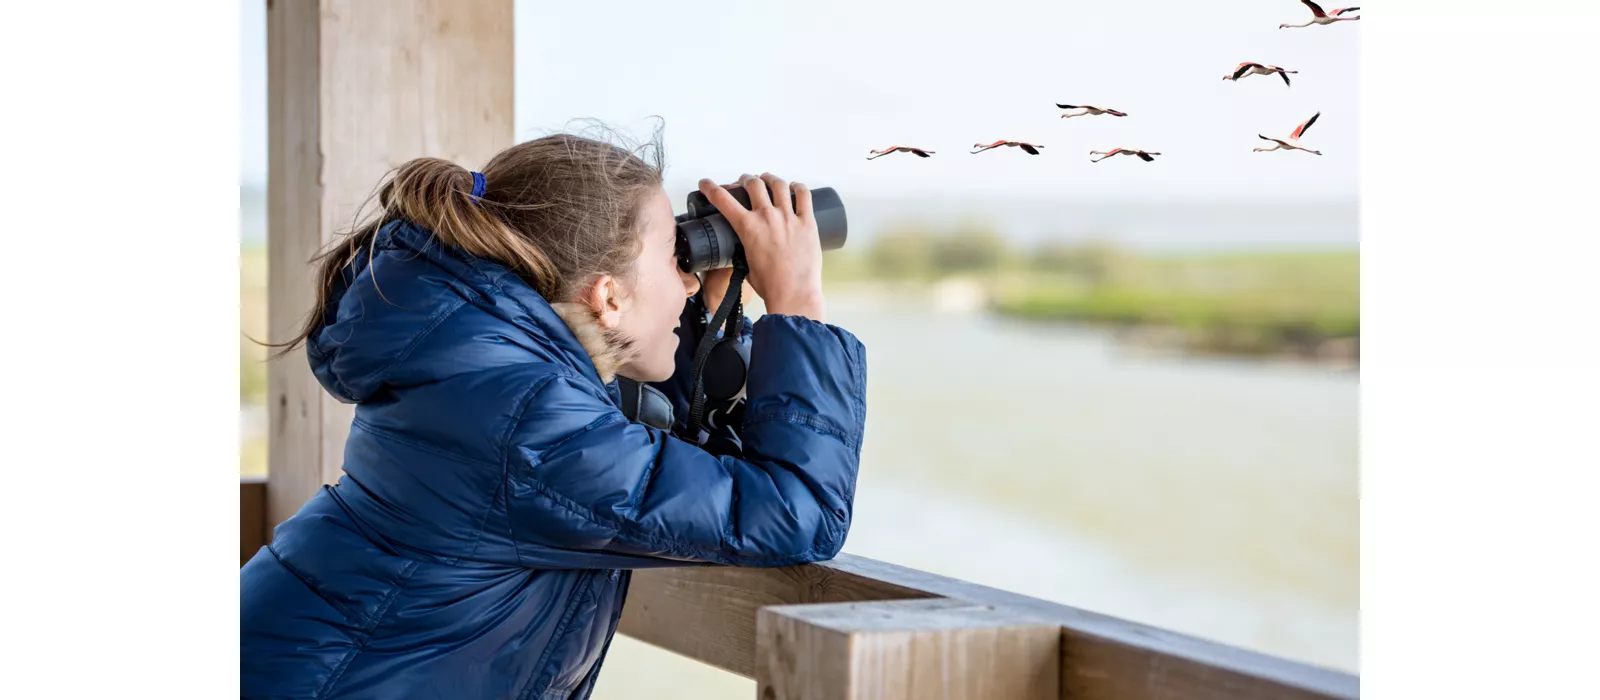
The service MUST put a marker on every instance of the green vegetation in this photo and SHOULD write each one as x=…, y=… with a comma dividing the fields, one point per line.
x=252, y=324
x=1235, y=303
x=252, y=357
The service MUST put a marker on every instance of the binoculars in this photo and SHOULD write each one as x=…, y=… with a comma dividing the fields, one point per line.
x=706, y=241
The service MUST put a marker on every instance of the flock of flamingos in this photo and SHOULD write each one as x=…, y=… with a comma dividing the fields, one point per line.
x=1243, y=70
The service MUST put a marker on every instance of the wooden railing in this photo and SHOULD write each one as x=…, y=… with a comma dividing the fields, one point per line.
x=853, y=628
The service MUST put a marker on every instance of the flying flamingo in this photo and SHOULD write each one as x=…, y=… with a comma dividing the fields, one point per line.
x=1031, y=148
x=1089, y=110
x=1146, y=156
x=879, y=153
x=1293, y=142
x=1248, y=68
x=1321, y=17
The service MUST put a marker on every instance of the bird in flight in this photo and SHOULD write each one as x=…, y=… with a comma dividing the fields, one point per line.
x=1249, y=68
x=879, y=153
x=1293, y=142
x=1320, y=17
x=1146, y=156
x=1089, y=110
x=1031, y=148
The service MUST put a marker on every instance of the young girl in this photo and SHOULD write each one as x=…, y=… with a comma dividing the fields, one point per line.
x=494, y=498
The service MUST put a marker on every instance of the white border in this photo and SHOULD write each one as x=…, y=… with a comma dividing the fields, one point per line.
x=119, y=187
x=1480, y=282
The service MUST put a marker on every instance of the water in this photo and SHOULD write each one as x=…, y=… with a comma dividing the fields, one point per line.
x=1216, y=498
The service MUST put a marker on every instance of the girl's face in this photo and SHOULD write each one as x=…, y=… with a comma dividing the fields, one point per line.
x=645, y=308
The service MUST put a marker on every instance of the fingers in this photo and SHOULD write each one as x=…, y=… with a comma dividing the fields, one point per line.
x=722, y=200
x=779, y=191
x=757, y=189
x=802, y=201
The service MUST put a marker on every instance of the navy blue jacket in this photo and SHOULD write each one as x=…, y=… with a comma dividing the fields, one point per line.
x=495, y=499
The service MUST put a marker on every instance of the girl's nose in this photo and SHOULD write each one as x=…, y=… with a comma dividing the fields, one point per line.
x=691, y=283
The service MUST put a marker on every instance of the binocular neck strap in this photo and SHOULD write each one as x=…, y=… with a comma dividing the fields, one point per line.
x=729, y=313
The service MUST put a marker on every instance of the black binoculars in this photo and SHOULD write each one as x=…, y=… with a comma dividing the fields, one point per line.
x=706, y=241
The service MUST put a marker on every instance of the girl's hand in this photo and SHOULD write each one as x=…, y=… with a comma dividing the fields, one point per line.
x=714, y=286
x=781, y=243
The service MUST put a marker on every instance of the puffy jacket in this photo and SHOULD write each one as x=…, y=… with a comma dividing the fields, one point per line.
x=495, y=499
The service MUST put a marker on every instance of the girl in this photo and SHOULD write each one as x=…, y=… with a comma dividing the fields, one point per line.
x=494, y=499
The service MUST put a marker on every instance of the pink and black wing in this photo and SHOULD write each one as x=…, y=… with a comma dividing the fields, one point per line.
x=1302, y=128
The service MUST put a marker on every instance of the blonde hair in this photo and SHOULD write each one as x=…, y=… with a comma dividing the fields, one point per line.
x=559, y=211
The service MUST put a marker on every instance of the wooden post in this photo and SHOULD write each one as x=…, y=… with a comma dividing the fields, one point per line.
x=252, y=517
x=938, y=649
x=355, y=89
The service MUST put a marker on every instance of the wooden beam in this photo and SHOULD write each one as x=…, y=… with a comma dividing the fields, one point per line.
x=709, y=614
x=936, y=649
x=253, y=531
x=356, y=89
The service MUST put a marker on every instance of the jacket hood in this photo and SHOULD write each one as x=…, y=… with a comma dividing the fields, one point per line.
x=410, y=310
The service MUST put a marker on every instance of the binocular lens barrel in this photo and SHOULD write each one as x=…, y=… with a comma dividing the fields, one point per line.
x=706, y=241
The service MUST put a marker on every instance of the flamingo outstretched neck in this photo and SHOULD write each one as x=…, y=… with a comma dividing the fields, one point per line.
x=1318, y=16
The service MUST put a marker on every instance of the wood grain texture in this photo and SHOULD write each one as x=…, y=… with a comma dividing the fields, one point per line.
x=253, y=530
x=356, y=89
x=933, y=649
x=709, y=614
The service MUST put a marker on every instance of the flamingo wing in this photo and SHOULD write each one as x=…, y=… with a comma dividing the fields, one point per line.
x=1315, y=8
x=1146, y=157
x=1031, y=149
x=1115, y=113
x=1244, y=68
x=1343, y=10
x=1058, y=104
x=921, y=152
x=1302, y=128
x=1285, y=77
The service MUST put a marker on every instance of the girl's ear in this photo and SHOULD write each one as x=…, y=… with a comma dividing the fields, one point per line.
x=603, y=298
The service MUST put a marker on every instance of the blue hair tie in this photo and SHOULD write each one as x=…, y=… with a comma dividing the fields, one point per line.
x=479, y=185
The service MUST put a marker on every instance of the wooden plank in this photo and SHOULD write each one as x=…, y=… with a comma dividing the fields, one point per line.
x=356, y=89
x=709, y=614
x=253, y=531
x=934, y=649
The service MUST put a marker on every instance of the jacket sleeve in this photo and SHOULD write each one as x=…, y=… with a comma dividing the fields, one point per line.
x=679, y=386
x=581, y=478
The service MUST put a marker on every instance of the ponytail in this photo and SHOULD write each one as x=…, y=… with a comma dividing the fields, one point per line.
x=556, y=210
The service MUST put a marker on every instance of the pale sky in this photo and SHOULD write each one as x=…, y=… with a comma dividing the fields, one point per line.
x=806, y=89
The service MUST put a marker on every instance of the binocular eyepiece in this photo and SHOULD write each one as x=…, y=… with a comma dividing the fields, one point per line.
x=706, y=241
